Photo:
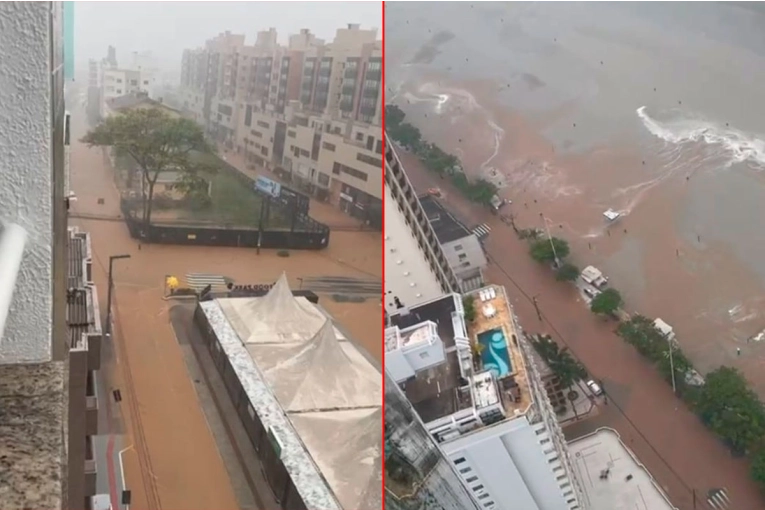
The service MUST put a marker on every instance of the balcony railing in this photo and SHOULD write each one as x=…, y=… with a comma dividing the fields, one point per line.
x=91, y=405
x=90, y=468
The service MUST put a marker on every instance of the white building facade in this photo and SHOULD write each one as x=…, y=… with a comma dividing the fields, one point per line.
x=496, y=426
x=416, y=270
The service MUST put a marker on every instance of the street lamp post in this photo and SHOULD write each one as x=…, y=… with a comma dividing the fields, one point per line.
x=670, y=342
x=549, y=237
x=109, y=285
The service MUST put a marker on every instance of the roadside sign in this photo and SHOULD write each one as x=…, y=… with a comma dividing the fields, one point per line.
x=268, y=186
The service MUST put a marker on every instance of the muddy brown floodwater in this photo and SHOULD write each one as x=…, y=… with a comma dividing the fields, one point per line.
x=698, y=284
x=173, y=461
x=678, y=450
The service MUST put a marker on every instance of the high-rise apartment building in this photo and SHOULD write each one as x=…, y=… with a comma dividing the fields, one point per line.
x=418, y=474
x=309, y=111
x=50, y=336
x=480, y=397
x=417, y=269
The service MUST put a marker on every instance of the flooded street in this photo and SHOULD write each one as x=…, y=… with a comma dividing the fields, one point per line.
x=573, y=110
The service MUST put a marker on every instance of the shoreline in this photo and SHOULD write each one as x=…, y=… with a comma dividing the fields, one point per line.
x=690, y=283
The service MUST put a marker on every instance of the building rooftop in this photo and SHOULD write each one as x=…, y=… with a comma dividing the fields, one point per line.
x=468, y=378
x=494, y=315
x=434, y=392
x=313, y=388
x=32, y=424
x=445, y=225
x=612, y=477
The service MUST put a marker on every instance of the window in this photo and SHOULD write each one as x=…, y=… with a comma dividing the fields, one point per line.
x=483, y=496
x=339, y=167
x=251, y=411
x=291, y=134
x=488, y=504
x=369, y=160
x=457, y=247
x=378, y=147
x=359, y=137
x=328, y=146
x=460, y=460
x=323, y=179
x=134, y=82
x=119, y=91
x=256, y=134
x=263, y=124
x=424, y=355
x=465, y=470
x=462, y=256
x=305, y=153
x=119, y=80
x=478, y=487
x=145, y=82
x=545, y=441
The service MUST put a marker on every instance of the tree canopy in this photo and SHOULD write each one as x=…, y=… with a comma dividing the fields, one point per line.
x=567, y=272
x=157, y=142
x=561, y=362
x=607, y=302
x=731, y=409
x=757, y=469
x=541, y=250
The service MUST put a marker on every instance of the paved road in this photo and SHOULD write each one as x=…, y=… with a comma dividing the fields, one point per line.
x=172, y=460
x=681, y=454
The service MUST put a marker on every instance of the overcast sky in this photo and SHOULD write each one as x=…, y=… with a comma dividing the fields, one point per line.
x=167, y=28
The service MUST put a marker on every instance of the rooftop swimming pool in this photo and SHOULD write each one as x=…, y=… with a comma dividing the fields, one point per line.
x=494, y=355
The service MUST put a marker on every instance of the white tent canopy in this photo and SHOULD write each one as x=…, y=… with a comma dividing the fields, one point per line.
x=321, y=374
x=276, y=317
x=347, y=448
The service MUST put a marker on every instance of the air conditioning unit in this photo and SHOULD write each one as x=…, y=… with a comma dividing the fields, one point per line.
x=13, y=238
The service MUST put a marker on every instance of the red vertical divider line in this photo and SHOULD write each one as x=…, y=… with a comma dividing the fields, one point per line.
x=382, y=249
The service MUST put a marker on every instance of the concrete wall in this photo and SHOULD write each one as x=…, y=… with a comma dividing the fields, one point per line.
x=26, y=163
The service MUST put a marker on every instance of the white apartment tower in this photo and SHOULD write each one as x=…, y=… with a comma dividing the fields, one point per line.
x=417, y=270
x=479, y=395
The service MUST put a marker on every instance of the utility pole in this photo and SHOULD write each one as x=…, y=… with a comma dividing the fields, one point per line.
x=109, y=286
x=536, y=307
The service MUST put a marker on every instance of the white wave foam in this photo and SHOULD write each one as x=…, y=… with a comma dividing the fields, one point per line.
x=736, y=145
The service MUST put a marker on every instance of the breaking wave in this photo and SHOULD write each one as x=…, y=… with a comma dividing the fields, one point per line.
x=736, y=146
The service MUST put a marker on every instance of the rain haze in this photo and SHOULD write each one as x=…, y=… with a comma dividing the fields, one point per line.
x=167, y=28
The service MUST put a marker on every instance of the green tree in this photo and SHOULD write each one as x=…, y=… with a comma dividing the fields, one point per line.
x=731, y=409
x=468, y=304
x=406, y=134
x=757, y=469
x=607, y=302
x=568, y=370
x=567, y=272
x=640, y=332
x=542, y=250
x=157, y=142
x=393, y=115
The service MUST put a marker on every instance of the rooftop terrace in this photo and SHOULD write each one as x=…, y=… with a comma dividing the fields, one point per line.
x=611, y=475
x=495, y=314
x=469, y=382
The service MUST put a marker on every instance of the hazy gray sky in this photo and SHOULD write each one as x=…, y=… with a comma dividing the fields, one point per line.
x=167, y=28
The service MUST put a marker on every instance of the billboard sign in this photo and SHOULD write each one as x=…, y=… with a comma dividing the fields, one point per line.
x=268, y=186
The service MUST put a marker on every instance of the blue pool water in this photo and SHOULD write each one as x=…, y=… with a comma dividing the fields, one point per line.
x=494, y=355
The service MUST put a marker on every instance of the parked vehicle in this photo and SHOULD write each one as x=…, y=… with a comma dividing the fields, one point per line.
x=594, y=387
